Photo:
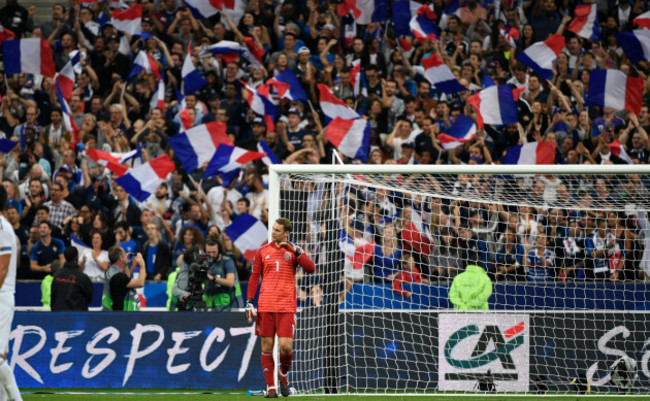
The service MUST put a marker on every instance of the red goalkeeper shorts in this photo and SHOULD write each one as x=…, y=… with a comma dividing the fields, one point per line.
x=272, y=323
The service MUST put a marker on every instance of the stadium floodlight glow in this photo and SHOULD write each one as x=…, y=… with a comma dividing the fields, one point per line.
x=563, y=245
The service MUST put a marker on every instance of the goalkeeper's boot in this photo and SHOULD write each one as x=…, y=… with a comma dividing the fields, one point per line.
x=284, y=384
x=272, y=393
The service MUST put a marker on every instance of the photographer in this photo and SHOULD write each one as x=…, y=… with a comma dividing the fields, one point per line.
x=222, y=289
x=119, y=288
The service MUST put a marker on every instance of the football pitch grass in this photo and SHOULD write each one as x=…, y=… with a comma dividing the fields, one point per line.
x=234, y=395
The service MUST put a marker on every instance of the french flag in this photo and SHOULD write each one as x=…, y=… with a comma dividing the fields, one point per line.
x=79, y=244
x=643, y=21
x=494, y=105
x=229, y=158
x=142, y=181
x=403, y=12
x=416, y=234
x=541, y=55
x=144, y=63
x=7, y=145
x=29, y=56
x=129, y=20
x=356, y=76
x=585, y=22
x=261, y=105
x=229, y=50
x=248, y=234
x=158, y=98
x=6, y=34
x=253, y=48
x=334, y=107
x=364, y=11
x=511, y=34
x=198, y=145
x=635, y=44
x=288, y=86
x=113, y=161
x=423, y=24
x=66, y=77
x=68, y=122
x=452, y=8
x=612, y=88
x=616, y=148
x=202, y=9
x=351, y=137
x=461, y=131
x=359, y=255
x=270, y=157
x=530, y=153
x=192, y=79
x=440, y=76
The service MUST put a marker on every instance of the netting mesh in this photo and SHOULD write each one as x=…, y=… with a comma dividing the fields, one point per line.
x=557, y=302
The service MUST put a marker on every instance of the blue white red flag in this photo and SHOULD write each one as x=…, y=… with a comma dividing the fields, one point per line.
x=158, y=98
x=143, y=62
x=270, y=157
x=261, y=105
x=248, y=234
x=423, y=24
x=494, y=105
x=358, y=253
x=7, y=145
x=440, y=76
x=141, y=182
x=68, y=122
x=67, y=76
x=635, y=44
x=28, y=56
x=229, y=50
x=403, y=12
x=229, y=158
x=192, y=79
x=643, y=20
x=351, y=137
x=417, y=234
x=619, y=150
x=6, y=34
x=364, y=11
x=541, y=56
x=461, y=131
x=612, y=88
x=202, y=9
x=198, y=145
x=334, y=107
x=288, y=86
x=585, y=22
x=530, y=153
x=129, y=20
x=112, y=160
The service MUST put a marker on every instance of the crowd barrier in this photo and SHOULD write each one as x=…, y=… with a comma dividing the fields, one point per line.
x=541, y=296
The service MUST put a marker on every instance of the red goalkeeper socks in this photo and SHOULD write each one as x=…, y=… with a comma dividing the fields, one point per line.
x=268, y=368
x=285, y=362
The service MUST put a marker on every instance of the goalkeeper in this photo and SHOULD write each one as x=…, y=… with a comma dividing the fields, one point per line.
x=276, y=263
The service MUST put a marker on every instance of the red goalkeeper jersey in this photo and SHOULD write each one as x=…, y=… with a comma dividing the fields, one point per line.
x=277, y=267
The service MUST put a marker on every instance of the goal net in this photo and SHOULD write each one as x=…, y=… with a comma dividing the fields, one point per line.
x=460, y=279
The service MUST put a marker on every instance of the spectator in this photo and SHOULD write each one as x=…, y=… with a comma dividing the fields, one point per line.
x=541, y=260
x=409, y=274
x=510, y=259
x=45, y=251
x=156, y=254
x=59, y=208
x=72, y=290
x=387, y=256
x=95, y=258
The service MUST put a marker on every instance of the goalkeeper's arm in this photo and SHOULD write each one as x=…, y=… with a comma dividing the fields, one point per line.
x=303, y=260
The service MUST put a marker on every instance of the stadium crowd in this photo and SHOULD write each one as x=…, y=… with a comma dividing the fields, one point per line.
x=59, y=196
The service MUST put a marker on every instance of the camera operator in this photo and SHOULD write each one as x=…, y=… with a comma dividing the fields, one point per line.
x=222, y=288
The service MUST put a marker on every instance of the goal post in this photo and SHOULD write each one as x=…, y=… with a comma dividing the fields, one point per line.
x=555, y=300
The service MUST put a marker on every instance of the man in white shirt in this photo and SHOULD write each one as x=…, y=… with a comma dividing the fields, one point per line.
x=8, y=264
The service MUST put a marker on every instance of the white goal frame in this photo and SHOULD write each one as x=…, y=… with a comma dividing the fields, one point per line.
x=277, y=170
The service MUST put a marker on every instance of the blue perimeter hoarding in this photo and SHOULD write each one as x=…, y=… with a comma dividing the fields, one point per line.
x=135, y=350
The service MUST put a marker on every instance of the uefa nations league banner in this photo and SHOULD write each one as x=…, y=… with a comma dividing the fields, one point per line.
x=135, y=350
x=523, y=351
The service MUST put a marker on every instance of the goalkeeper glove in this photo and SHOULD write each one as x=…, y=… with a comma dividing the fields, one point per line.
x=296, y=250
x=250, y=310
